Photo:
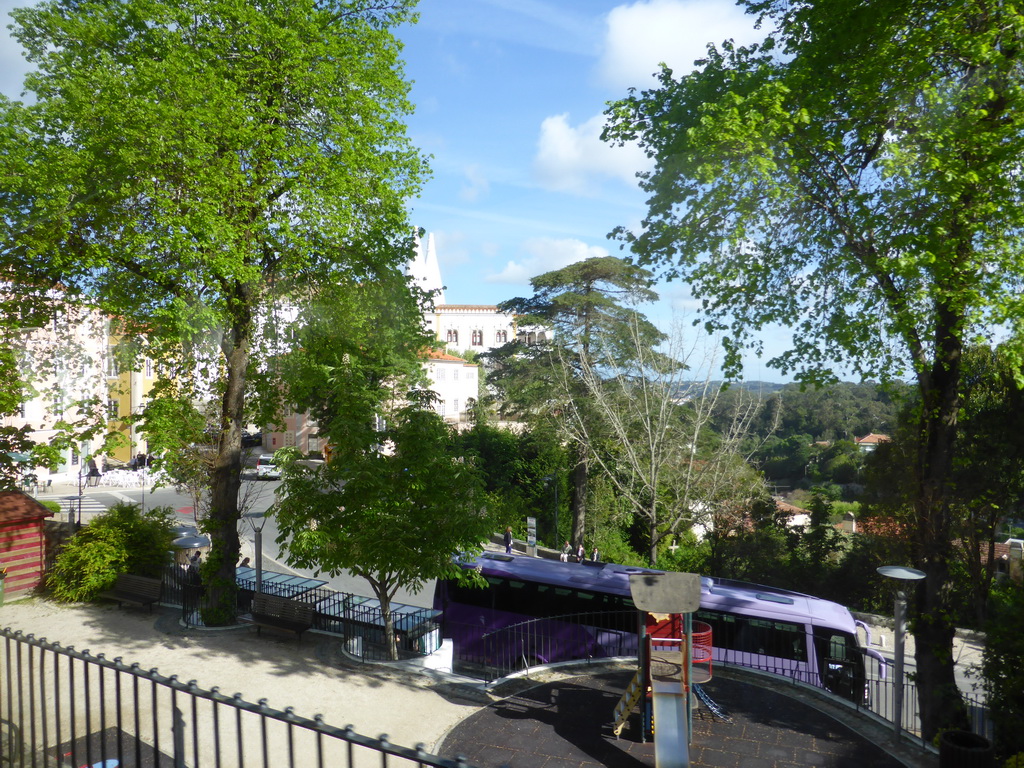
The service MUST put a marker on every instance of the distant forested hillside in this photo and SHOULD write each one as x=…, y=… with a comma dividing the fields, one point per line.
x=843, y=411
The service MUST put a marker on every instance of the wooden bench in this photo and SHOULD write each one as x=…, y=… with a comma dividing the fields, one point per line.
x=134, y=590
x=280, y=613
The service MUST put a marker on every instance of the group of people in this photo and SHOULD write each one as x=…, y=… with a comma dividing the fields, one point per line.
x=581, y=554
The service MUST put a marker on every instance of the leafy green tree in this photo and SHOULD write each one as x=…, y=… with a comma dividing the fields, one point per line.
x=521, y=477
x=12, y=439
x=1002, y=670
x=854, y=177
x=191, y=166
x=575, y=305
x=644, y=415
x=398, y=518
x=121, y=540
x=360, y=349
x=987, y=481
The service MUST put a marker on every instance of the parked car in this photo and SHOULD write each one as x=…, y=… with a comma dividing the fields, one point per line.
x=266, y=469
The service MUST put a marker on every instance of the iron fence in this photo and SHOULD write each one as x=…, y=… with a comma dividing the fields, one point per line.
x=358, y=619
x=586, y=636
x=572, y=637
x=65, y=708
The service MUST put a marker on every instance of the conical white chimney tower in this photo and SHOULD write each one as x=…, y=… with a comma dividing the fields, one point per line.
x=425, y=270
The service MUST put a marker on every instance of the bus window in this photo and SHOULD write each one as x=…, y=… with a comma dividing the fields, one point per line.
x=762, y=637
x=516, y=596
x=840, y=663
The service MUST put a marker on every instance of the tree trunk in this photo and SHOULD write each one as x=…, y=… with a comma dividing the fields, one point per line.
x=579, y=496
x=939, y=698
x=219, y=573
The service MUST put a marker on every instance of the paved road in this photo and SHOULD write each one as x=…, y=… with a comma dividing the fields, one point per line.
x=256, y=498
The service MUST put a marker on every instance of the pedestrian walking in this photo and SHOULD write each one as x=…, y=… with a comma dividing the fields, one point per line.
x=508, y=540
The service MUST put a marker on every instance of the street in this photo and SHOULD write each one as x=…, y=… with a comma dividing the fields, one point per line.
x=256, y=498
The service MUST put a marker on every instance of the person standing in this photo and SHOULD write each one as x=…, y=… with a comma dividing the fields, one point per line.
x=593, y=555
x=508, y=540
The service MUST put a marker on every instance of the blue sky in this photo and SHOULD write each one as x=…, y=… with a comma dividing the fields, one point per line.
x=509, y=98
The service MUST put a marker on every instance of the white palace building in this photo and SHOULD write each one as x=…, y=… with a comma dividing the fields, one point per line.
x=461, y=327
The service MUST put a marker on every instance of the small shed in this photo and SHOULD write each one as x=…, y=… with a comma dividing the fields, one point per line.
x=22, y=541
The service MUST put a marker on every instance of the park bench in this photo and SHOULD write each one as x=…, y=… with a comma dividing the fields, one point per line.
x=280, y=613
x=134, y=590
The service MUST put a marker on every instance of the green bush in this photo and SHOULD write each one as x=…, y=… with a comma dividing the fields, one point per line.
x=121, y=540
x=53, y=506
x=1001, y=668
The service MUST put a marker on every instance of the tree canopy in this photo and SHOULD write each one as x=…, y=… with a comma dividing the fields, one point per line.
x=856, y=177
x=188, y=166
x=576, y=306
x=397, y=514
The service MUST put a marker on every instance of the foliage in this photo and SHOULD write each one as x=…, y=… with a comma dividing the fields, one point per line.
x=361, y=348
x=121, y=540
x=841, y=411
x=1002, y=670
x=855, y=178
x=521, y=476
x=643, y=415
x=571, y=308
x=192, y=166
x=396, y=517
x=986, y=483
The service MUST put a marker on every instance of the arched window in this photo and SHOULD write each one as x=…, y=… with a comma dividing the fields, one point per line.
x=500, y=337
x=478, y=338
x=453, y=336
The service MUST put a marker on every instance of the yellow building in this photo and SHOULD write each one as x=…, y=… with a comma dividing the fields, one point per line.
x=127, y=394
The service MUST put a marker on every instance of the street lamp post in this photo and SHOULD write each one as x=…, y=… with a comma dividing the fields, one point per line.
x=80, y=480
x=901, y=574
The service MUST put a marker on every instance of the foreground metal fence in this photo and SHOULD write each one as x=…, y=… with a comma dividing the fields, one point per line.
x=65, y=708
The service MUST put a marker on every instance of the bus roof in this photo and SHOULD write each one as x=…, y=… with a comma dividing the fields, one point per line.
x=716, y=594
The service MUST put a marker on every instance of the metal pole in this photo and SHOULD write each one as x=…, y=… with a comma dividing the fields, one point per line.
x=899, y=619
x=259, y=557
x=688, y=660
x=79, y=497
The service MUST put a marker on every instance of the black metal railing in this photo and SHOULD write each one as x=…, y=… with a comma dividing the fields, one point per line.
x=65, y=708
x=587, y=636
x=572, y=637
x=356, y=618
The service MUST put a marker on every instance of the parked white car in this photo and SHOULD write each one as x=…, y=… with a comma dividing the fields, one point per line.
x=266, y=469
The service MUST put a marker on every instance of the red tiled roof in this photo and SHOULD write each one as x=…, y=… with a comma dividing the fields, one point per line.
x=458, y=307
x=872, y=438
x=16, y=506
x=438, y=354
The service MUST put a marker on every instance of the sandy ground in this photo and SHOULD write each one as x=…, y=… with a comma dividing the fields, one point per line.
x=312, y=675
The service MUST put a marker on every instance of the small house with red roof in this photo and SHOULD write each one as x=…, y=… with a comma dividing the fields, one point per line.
x=22, y=541
x=868, y=443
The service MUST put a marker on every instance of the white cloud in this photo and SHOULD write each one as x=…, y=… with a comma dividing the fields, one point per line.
x=545, y=254
x=476, y=185
x=572, y=158
x=643, y=34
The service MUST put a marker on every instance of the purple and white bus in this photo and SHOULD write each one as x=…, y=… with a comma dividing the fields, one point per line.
x=541, y=611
